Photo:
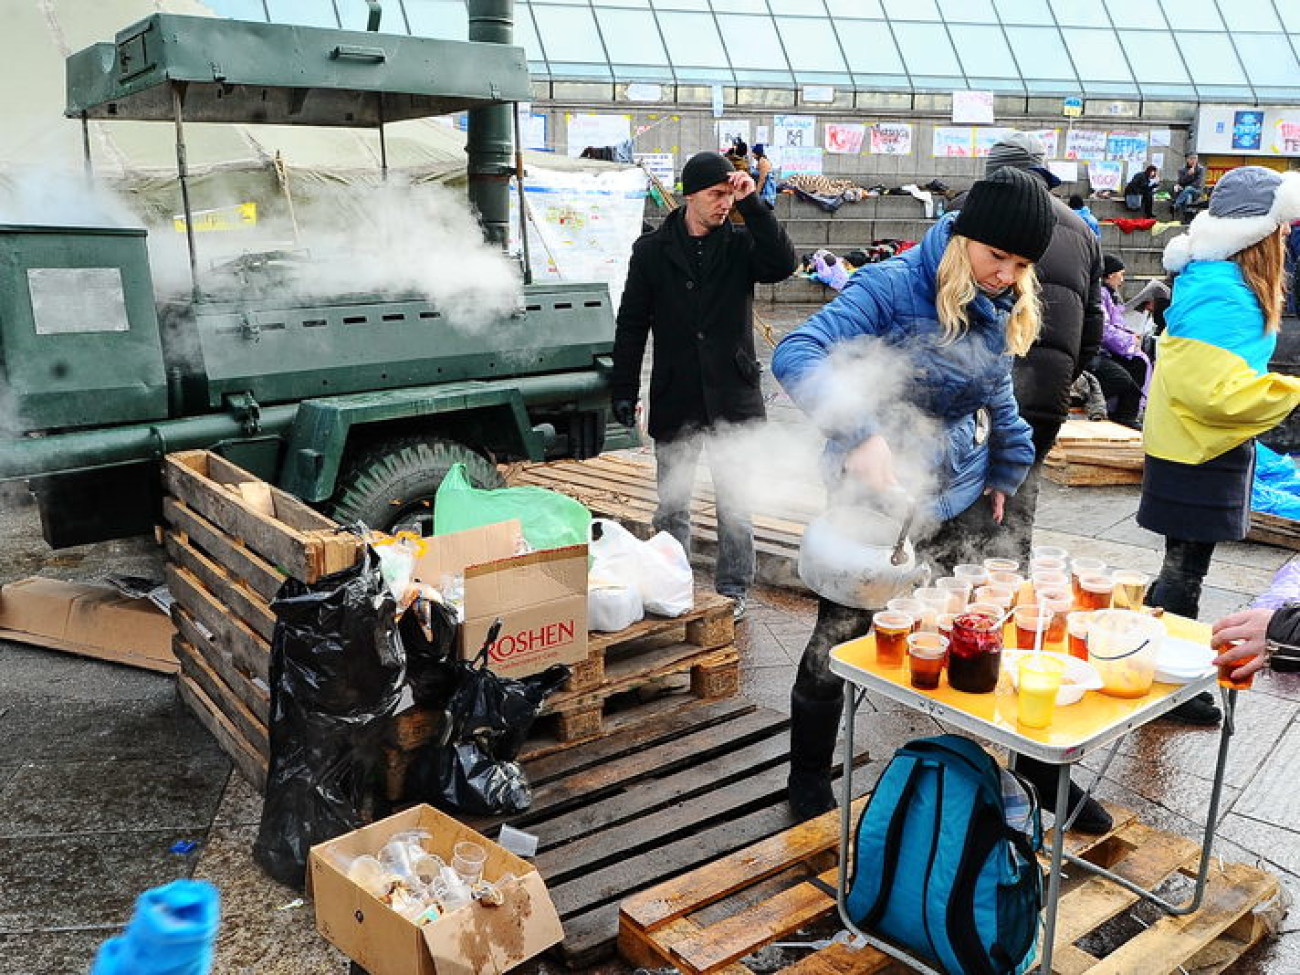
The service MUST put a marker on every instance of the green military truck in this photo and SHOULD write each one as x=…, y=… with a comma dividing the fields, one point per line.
x=358, y=403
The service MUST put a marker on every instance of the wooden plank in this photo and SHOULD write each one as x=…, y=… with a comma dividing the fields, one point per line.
x=239, y=560
x=249, y=650
x=1093, y=430
x=682, y=895
x=707, y=605
x=243, y=602
x=251, y=765
x=250, y=727
x=841, y=959
x=255, y=697
x=628, y=673
x=288, y=509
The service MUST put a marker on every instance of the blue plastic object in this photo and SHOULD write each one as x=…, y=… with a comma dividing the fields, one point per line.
x=171, y=933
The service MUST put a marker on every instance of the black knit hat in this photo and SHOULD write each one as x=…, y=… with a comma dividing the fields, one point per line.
x=705, y=169
x=1110, y=264
x=1011, y=210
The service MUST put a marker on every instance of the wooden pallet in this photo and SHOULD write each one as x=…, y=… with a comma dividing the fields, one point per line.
x=622, y=487
x=1094, y=453
x=226, y=560
x=1274, y=530
x=713, y=919
x=670, y=661
x=650, y=803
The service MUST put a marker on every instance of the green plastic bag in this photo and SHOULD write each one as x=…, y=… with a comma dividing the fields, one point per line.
x=549, y=519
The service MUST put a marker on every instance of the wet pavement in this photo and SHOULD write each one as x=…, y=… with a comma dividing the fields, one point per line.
x=103, y=771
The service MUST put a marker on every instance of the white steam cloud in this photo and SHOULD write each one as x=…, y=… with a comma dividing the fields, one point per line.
x=61, y=199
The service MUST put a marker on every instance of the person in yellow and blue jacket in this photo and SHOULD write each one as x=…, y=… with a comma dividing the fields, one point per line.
x=1212, y=393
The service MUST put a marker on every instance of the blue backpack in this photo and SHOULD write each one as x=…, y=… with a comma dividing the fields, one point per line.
x=938, y=872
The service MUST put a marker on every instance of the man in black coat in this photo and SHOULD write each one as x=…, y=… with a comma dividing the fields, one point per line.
x=691, y=284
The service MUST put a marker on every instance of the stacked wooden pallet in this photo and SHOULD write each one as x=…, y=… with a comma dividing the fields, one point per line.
x=229, y=550
x=716, y=918
x=1274, y=530
x=1091, y=453
x=626, y=679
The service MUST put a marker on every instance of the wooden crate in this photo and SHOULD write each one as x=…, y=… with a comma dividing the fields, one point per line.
x=649, y=803
x=714, y=918
x=650, y=658
x=1095, y=453
x=226, y=561
x=1274, y=530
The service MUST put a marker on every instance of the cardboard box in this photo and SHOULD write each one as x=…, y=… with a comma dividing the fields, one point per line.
x=541, y=596
x=95, y=621
x=475, y=940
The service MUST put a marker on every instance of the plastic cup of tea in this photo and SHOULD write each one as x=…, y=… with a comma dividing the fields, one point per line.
x=934, y=601
x=1050, y=579
x=1096, y=591
x=1130, y=589
x=1076, y=626
x=1225, y=674
x=1032, y=624
x=1042, y=564
x=1083, y=567
x=925, y=656
x=1039, y=679
x=997, y=595
x=891, y=629
x=958, y=591
x=1001, y=565
x=467, y=860
x=1049, y=552
x=992, y=610
x=972, y=571
x=906, y=604
x=1060, y=602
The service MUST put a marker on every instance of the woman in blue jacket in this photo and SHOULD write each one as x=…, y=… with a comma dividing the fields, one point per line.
x=948, y=316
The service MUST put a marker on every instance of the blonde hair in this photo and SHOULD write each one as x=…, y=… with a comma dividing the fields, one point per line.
x=955, y=289
x=1262, y=265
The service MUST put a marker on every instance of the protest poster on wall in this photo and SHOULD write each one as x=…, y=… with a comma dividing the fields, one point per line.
x=1085, y=144
x=950, y=142
x=731, y=129
x=1106, y=174
x=596, y=131
x=581, y=226
x=1128, y=146
x=844, y=139
x=795, y=131
x=1247, y=130
x=800, y=160
x=985, y=137
x=973, y=107
x=1051, y=141
x=892, y=138
x=1066, y=170
x=662, y=164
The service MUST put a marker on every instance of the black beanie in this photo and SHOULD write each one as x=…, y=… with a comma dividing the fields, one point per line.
x=1011, y=210
x=1110, y=264
x=705, y=169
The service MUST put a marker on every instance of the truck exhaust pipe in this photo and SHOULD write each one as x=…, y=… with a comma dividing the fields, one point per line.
x=490, y=147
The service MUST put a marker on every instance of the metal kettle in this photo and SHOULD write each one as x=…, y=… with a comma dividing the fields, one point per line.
x=859, y=556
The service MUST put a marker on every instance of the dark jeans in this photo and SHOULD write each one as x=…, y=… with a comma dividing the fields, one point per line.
x=967, y=538
x=1178, y=586
x=1121, y=379
x=676, y=461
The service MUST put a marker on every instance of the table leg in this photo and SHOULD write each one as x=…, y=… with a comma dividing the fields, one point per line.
x=1054, y=875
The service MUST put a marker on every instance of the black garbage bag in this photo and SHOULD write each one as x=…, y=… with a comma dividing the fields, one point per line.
x=337, y=670
x=428, y=631
x=471, y=767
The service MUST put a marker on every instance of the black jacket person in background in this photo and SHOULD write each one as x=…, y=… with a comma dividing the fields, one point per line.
x=691, y=284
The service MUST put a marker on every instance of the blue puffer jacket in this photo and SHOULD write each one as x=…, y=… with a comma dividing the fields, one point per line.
x=893, y=302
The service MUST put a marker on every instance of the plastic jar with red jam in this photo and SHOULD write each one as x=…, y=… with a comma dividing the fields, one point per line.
x=974, y=654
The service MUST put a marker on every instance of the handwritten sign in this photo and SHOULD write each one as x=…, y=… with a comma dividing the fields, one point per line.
x=844, y=139
x=1106, y=174
x=951, y=142
x=974, y=107
x=1086, y=144
x=892, y=138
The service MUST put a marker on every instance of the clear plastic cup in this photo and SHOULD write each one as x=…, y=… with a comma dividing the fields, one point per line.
x=1032, y=624
x=891, y=629
x=1038, y=679
x=1130, y=589
x=1050, y=552
x=934, y=601
x=958, y=591
x=1096, y=591
x=1042, y=564
x=992, y=610
x=1001, y=565
x=467, y=860
x=925, y=656
x=1076, y=626
x=976, y=573
x=906, y=604
x=1084, y=567
x=997, y=595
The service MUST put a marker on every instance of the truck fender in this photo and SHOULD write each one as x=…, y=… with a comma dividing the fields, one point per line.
x=320, y=430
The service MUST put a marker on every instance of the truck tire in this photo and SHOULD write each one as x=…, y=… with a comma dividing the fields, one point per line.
x=391, y=486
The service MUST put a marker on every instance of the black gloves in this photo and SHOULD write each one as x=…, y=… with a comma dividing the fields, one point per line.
x=625, y=411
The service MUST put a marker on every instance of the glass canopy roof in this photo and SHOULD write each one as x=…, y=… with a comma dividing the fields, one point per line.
x=1168, y=50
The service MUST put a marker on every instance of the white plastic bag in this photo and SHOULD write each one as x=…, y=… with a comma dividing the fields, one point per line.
x=615, y=555
x=667, y=583
x=611, y=607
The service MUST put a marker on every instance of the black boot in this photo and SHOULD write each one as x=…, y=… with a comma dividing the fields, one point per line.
x=1092, y=818
x=814, y=726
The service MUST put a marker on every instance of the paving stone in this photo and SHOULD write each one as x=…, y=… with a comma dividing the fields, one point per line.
x=52, y=952
x=240, y=805
x=160, y=728
x=759, y=648
x=1271, y=795
x=768, y=687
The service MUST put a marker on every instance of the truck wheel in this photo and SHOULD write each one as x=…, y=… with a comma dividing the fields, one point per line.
x=391, y=486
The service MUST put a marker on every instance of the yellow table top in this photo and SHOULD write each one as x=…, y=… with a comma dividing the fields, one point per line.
x=1076, y=729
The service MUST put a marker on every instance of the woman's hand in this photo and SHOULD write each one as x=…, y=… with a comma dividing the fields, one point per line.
x=998, y=499
x=1240, y=638
x=871, y=463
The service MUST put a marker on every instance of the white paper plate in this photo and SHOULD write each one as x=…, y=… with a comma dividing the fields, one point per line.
x=1082, y=676
x=1182, y=661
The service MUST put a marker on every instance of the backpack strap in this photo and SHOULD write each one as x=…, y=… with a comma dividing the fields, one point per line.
x=893, y=842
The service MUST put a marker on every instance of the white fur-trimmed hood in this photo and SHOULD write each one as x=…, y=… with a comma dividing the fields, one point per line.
x=1211, y=238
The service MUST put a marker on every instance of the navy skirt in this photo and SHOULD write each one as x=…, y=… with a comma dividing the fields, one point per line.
x=1207, y=502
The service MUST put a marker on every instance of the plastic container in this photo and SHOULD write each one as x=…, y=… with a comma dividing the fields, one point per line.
x=1123, y=646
